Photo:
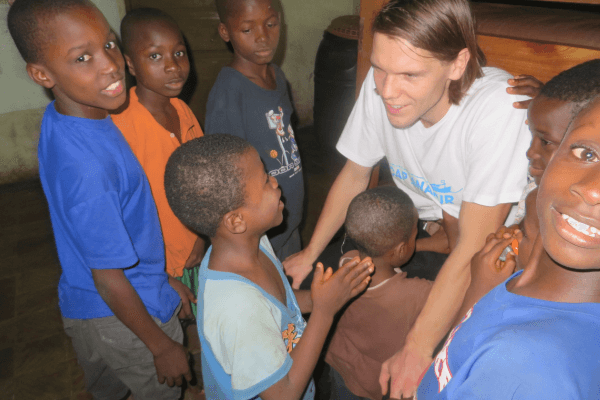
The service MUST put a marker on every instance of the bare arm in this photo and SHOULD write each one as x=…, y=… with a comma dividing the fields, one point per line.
x=170, y=358
x=304, y=300
x=329, y=293
x=352, y=180
x=197, y=253
x=475, y=223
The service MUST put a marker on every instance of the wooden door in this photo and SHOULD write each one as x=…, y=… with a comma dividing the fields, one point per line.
x=198, y=21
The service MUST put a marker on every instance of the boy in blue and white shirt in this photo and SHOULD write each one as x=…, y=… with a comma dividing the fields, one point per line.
x=254, y=339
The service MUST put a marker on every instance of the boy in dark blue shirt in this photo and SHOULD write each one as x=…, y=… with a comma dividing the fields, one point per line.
x=250, y=99
x=117, y=303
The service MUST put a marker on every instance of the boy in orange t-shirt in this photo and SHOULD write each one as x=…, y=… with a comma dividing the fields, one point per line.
x=156, y=122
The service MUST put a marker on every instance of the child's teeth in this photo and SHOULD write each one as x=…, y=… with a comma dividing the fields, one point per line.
x=113, y=86
x=580, y=226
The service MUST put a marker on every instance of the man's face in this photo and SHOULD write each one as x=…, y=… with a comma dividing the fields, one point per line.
x=412, y=83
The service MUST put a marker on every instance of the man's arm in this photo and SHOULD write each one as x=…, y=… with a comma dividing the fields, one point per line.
x=352, y=180
x=475, y=223
x=170, y=358
x=197, y=253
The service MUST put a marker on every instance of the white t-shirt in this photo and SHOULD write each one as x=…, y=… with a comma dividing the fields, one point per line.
x=475, y=153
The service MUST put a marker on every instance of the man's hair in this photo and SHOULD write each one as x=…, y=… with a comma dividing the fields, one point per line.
x=577, y=85
x=441, y=27
x=379, y=219
x=204, y=181
x=132, y=19
x=28, y=24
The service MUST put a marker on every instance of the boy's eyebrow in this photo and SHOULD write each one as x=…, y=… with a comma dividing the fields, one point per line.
x=76, y=48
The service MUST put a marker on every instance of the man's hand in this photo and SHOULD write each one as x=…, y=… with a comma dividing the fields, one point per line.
x=186, y=297
x=526, y=85
x=405, y=368
x=172, y=365
x=298, y=266
x=438, y=242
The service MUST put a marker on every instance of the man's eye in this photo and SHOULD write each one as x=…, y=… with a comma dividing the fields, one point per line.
x=110, y=45
x=585, y=154
x=155, y=56
x=84, y=58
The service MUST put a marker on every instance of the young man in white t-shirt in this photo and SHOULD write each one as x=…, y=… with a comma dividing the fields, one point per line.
x=454, y=143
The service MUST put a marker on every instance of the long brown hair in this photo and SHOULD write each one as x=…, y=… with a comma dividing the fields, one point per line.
x=442, y=27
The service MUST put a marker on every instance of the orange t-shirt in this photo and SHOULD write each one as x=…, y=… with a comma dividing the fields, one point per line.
x=152, y=144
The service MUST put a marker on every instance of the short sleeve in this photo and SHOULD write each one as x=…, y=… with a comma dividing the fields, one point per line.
x=224, y=110
x=243, y=330
x=496, y=167
x=360, y=141
x=101, y=235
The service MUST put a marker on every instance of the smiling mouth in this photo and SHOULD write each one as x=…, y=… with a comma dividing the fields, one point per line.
x=114, y=88
x=581, y=227
x=393, y=109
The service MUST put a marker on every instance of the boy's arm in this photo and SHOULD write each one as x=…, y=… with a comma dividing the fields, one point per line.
x=197, y=253
x=476, y=222
x=329, y=293
x=304, y=300
x=352, y=180
x=170, y=358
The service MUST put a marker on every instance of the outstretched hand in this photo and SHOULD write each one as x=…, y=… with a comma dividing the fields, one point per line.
x=487, y=269
x=330, y=291
x=403, y=372
x=526, y=85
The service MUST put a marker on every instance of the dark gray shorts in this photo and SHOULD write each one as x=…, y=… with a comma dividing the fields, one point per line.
x=115, y=360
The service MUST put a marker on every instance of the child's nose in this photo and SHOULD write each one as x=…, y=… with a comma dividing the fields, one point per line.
x=588, y=186
x=534, y=149
x=113, y=63
x=171, y=65
x=274, y=182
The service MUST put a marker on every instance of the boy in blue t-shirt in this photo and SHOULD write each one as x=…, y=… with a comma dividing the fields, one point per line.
x=250, y=99
x=537, y=336
x=254, y=339
x=117, y=303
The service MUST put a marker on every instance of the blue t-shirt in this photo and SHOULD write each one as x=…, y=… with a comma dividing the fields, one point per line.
x=514, y=347
x=240, y=107
x=246, y=334
x=103, y=215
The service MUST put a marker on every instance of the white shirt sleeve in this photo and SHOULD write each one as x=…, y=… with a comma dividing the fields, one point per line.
x=496, y=170
x=243, y=330
x=360, y=141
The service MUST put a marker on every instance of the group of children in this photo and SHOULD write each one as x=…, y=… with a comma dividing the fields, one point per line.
x=135, y=189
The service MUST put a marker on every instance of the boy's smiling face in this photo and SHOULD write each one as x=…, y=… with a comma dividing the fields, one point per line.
x=263, y=208
x=548, y=121
x=158, y=58
x=253, y=30
x=82, y=65
x=569, y=195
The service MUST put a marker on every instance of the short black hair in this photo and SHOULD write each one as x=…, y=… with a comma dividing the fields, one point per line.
x=134, y=17
x=204, y=180
x=224, y=7
x=379, y=219
x=27, y=23
x=578, y=84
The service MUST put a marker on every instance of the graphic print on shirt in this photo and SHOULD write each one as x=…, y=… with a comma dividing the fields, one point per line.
x=441, y=367
x=441, y=192
x=287, y=153
x=290, y=337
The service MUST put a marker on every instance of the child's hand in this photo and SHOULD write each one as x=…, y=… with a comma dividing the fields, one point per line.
x=526, y=85
x=331, y=291
x=186, y=297
x=487, y=270
x=171, y=364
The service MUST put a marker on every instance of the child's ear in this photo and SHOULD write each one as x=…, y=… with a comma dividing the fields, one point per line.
x=39, y=75
x=129, y=64
x=400, y=249
x=223, y=32
x=234, y=222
